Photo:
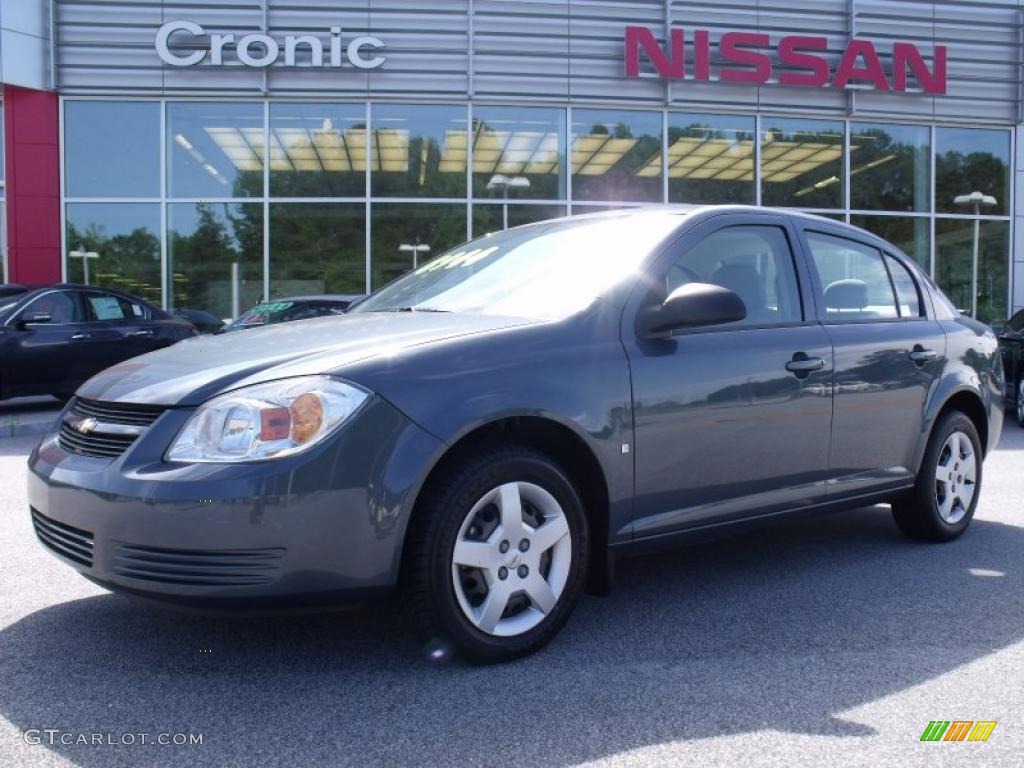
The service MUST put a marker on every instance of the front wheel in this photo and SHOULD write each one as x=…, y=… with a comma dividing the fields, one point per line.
x=497, y=556
x=942, y=503
x=1020, y=402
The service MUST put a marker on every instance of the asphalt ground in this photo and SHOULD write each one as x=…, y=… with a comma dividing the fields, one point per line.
x=824, y=642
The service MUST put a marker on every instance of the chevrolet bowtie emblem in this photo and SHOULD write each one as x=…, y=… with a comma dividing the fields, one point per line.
x=85, y=426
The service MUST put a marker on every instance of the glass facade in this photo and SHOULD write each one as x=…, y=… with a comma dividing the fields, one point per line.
x=230, y=202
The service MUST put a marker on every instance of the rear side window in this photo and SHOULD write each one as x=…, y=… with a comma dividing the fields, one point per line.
x=906, y=288
x=854, y=280
x=107, y=306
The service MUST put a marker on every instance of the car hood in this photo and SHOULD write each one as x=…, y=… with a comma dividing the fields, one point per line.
x=194, y=370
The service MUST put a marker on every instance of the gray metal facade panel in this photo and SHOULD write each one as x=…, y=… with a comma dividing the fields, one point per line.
x=567, y=51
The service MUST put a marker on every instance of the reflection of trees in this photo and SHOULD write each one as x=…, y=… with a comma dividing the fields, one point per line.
x=714, y=191
x=129, y=262
x=886, y=173
x=621, y=182
x=317, y=248
x=439, y=226
x=957, y=173
x=543, y=186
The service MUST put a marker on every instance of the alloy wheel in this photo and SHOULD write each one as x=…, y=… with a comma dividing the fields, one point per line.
x=955, y=477
x=511, y=559
x=1020, y=402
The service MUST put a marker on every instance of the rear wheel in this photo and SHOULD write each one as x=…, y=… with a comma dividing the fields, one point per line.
x=942, y=503
x=497, y=559
x=1020, y=402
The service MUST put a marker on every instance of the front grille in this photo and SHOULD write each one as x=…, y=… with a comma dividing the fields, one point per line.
x=115, y=426
x=198, y=567
x=74, y=544
x=118, y=413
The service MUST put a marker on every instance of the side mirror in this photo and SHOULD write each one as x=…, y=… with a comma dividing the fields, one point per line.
x=36, y=318
x=691, y=306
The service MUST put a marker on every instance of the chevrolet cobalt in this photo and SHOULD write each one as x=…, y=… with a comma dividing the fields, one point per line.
x=488, y=432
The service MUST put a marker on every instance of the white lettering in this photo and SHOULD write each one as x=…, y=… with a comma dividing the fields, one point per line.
x=163, y=37
x=271, y=50
x=357, y=58
x=217, y=43
x=316, y=49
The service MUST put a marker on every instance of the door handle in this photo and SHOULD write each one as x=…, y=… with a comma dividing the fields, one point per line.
x=80, y=336
x=802, y=364
x=143, y=333
x=919, y=356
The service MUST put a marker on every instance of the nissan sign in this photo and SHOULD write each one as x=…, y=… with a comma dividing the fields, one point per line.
x=750, y=57
x=260, y=50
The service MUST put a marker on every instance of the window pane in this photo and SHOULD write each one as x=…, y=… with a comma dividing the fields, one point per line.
x=954, y=244
x=889, y=167
x=755, y=263
x=317, y=150
x=906, y=288
x=214, y=149
x=317, y=248
x=112, y=148
x=970, y=160
x=616, y=155
x=107, y=306
x=59, y=305
x=854, y=280
x=215, y=256
x=126, y=237
x=491, y=218
x=400, y=228
x=909, y=234
x=802, y=163
x=516, y=152
x=710, y=159
x=414, y=151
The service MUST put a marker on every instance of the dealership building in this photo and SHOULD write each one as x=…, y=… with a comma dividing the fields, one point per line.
x=209, y=154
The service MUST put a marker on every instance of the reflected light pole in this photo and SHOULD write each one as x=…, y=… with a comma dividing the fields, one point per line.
x=505, y=183
x=84, y=255
x=976, y=200
x=415, y=249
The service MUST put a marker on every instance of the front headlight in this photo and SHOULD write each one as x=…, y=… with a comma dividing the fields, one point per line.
x=267, y=421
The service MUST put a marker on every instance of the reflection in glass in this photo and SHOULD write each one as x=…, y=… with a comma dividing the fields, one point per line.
x=112, y=148
x=214, y=149
x=317, y=150
x=612, y=154
x=954, y=243
x=415, y=150
x=889, y=167
x=971, y=160
x=710, y=159
x=526, y=144
x=492, y=217
x=802, y=163
x=127, y=238
x=215, y=256
x=399, y=228
x=317, y=248
x=908, y=233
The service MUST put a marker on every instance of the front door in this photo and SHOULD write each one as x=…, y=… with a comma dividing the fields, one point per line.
x=44, y=353
x=732, y=421
x=888, y=353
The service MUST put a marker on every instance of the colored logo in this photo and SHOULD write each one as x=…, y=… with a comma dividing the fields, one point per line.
x=958, y=730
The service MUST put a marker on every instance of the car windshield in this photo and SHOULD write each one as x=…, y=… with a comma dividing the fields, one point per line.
x=547, y=271
x=282, y=311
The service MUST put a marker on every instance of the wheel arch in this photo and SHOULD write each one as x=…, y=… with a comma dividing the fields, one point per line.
x=567, y=448
x=969, y=402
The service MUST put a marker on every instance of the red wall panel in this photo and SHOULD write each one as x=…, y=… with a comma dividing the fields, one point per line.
x=32, y=139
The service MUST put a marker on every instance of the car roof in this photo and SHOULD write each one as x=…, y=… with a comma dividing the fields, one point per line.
x=318, y=297
x=36, y=290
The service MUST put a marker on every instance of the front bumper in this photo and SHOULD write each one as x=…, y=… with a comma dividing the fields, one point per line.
x=314, y=528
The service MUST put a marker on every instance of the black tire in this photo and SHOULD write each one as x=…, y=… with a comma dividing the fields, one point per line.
x=917, y=512
x=427, y=575
x=1019, y=403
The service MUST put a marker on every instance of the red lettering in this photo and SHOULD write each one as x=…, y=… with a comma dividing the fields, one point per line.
x=667, y=65
x=734, y=46
x=702, y=55
x=906, y=54
x=817, y=67
x=871, y=71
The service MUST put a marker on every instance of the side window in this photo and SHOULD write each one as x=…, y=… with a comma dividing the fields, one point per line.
x=59, y=305
x=755, y=262
x=906, y=288
x=854, y=280
x=107, y=306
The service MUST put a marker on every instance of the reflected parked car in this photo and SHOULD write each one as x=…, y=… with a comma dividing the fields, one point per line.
x=205, y=322
x=489, y=431
x=1011, y=342
x=292, y=308
x=52, y=339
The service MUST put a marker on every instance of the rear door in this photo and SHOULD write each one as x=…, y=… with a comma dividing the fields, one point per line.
x=119, y=327
x=46, y=357
x=731, y=421
x=888, y=349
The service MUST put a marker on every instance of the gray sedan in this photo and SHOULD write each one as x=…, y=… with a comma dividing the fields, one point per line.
x=489, y=432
